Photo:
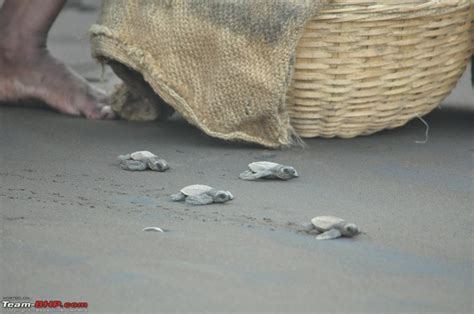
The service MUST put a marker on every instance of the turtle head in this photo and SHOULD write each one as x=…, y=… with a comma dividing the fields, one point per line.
x=223, y=196
x=287, y=172
x=350, y=230
x=158, y=164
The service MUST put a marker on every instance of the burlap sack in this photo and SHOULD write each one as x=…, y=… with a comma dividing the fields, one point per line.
x=225, y=65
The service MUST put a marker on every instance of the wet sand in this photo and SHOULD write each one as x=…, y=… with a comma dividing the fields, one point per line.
x=72, y=220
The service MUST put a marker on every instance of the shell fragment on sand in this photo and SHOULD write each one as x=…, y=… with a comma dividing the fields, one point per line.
x=268, y=170
x=142, y=160
x=155, y=229
x=199, y=194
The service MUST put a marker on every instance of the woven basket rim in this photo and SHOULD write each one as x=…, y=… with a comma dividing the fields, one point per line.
x=389, y=9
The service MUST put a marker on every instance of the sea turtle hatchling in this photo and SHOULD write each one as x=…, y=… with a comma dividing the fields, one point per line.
x=142, y=160
x=268, y=170
x=198, y=194
x=329, y=227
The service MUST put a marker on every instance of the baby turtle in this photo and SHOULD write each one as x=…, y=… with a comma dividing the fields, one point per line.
x=198, y=194
x=329, y=227
x=268, y=170
x=142, y=160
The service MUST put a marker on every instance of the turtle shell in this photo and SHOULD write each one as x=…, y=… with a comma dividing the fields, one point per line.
x=142, y=155
x=195, y=189
x=324, y=223
x=262, y=166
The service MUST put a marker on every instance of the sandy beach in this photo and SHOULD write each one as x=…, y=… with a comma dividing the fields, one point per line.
x=71, y=220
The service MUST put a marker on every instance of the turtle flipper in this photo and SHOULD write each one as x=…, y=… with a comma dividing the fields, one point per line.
x=249, y=175
x=134, y=165
x=202, y=199
x=330, y=234
x=178, y=197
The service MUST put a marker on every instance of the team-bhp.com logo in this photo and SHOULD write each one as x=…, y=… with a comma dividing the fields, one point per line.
x=23, y=303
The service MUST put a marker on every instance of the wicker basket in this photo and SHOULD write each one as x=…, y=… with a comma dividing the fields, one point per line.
x=364, y=66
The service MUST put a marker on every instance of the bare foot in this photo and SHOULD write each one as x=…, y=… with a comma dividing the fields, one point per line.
x=28, y=71
x=35, y=74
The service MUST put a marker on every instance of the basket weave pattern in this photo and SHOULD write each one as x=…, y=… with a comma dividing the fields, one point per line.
x=364, y=66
